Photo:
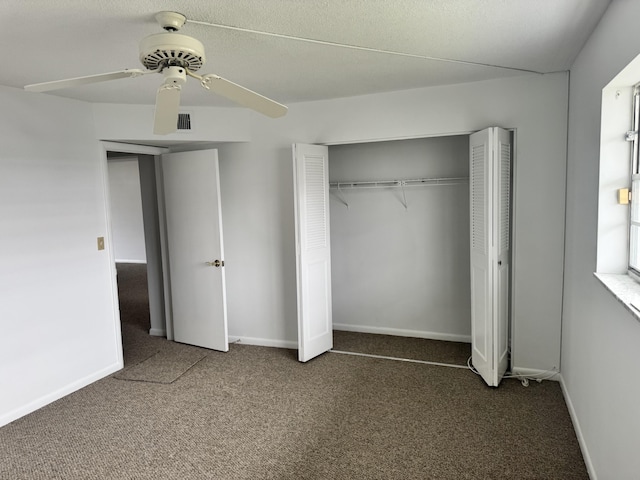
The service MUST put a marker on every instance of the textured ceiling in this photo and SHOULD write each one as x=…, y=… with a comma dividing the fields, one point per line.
x=46, y=40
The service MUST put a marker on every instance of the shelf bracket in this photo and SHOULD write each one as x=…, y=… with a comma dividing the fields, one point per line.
x=339, y=195
x=404, y=195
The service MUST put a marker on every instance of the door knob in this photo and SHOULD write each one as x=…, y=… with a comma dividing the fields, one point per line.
x=216, y=263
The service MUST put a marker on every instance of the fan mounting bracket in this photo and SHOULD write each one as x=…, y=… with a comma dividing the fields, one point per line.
x=171, y=21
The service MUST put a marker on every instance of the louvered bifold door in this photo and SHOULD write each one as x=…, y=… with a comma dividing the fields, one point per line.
x=480, y=229
x=490, y=193
x=313, y=250
x=502, y=267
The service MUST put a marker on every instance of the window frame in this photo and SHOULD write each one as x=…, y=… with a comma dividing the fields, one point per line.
x=634, y=204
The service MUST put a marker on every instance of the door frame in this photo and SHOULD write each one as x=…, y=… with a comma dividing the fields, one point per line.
x=156, y=152
x=134, y=149
x=512, y=227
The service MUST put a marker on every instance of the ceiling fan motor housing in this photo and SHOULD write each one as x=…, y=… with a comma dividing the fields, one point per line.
x=171, y=49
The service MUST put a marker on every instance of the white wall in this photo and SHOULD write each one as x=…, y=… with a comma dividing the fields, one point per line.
x=257, y=191
x=57, y=313
x=127, y=226
x=395, y=270
x=153, y=249
x=600, y=339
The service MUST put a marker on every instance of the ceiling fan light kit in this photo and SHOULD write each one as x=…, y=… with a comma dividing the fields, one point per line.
x=176, y=56
x=174, y=75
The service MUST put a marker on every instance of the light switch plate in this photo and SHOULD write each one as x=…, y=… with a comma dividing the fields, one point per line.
x=100, y=243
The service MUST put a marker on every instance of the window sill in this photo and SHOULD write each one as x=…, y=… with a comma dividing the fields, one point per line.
x=625, y=289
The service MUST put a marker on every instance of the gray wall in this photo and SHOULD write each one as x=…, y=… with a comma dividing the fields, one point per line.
x=600, y=339
x=153, y=249
x=126, y=210
x=57, y=302
x=395, y=270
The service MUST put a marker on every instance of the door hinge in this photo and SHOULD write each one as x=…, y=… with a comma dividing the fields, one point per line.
x=631, y=135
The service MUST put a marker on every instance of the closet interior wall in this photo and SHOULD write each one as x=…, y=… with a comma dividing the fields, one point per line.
x=401, y=270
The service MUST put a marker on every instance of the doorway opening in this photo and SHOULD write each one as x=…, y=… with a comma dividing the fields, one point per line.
x=126, y=178
x=174, y=187
x=133, y=240
x=399, y=213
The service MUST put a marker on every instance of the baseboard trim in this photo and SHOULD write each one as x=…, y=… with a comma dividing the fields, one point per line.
x=576, y=426
x=403, y=333
x=264, y=342
x=157, y=332
x=536, y=373
x=58, y=394
x=125, y=260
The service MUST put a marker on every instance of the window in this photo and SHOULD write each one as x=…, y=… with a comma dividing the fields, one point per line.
x=618, y=248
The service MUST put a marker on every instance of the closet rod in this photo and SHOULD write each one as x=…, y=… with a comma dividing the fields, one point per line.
x=414, y=182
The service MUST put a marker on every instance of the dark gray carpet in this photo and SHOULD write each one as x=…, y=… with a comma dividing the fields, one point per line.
x=165, y=366
x=256, y=413
x=455, y=353
x=147, y=359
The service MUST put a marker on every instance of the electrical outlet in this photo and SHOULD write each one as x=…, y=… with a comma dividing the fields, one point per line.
x=100, y=243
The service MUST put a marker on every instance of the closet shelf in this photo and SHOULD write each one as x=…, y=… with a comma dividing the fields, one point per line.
x=338, y=187
x=412, y=182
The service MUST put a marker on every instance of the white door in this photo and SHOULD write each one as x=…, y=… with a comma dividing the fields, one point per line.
x=490, y=193
x=195, y=250
x=313, y=252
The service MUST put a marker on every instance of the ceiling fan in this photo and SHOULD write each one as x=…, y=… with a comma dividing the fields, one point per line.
x=177, y=57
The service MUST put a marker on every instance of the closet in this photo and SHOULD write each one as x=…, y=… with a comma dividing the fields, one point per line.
x=418, y=246
x=400, y=237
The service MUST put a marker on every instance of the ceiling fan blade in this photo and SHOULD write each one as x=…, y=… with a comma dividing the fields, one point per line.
x=243, y=96
x=167, y=108
x=77, y=81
